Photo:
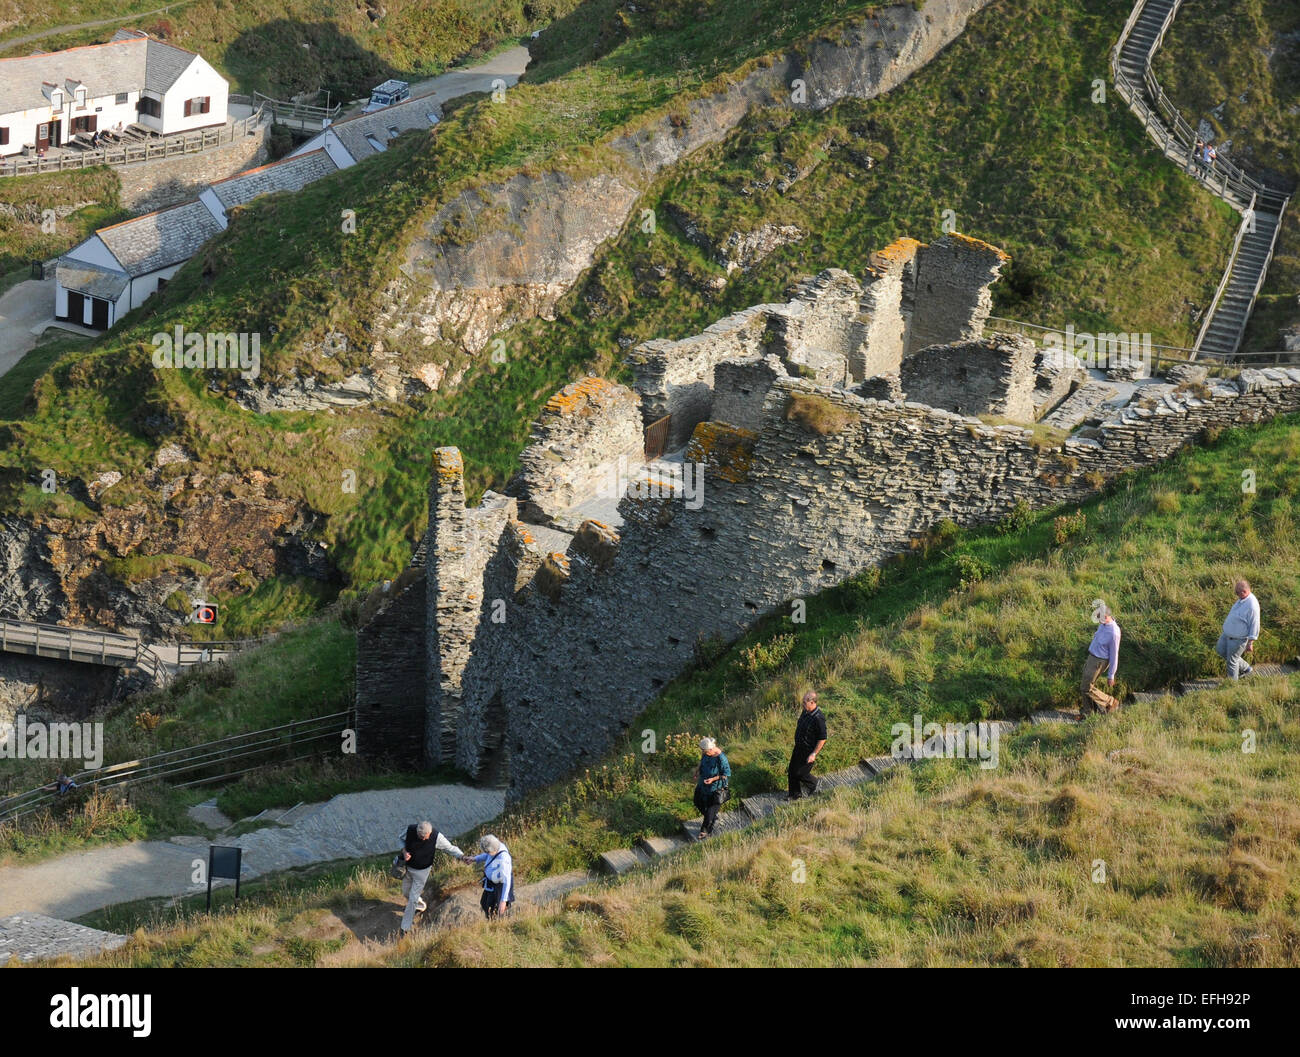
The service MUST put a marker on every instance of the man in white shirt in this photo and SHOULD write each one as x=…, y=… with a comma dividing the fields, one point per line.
x=1240, y=631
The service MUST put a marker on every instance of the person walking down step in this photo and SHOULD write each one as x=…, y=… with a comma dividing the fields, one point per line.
x=1240, y=630
x=498, y=876
x=1103, y=652
x=419, y=845
x=809, y=737
x=712, y=778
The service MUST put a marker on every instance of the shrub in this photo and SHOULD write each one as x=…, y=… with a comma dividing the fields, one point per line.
x=1020, y=518
x=856, y=591
x=1067, y=526
x=709, y=649
x=818, y=415
x=764, y=657
x=969, y=568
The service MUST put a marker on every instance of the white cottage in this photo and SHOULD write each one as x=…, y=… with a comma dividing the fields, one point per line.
x=47, y=98
x=113, y=271
x=356, y=138
x=118, y=267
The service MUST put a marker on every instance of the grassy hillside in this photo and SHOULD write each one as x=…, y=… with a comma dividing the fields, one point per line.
x=1102, y=229
x=81, y=202
x=283, y=47
x=1244, y=79
x=947, y=863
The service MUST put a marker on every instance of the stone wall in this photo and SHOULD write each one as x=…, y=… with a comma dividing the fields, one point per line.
x=391, y=677
x=458, y=546
x=794, y=512
x=995, y=376
x=952, y=300
x=581, y=429
x=166, y=182
x=834, y=329
x=676, y=377
x=741, y=389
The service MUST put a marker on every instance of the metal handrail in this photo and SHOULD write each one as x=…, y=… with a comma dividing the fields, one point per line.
x=237, y=747
x=1259, y=279
x=1165, y=354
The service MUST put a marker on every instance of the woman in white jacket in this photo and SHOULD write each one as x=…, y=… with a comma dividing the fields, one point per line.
x=498, y=876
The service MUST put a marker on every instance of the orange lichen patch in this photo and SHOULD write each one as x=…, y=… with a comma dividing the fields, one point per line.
x=448, y=463
x=592, y=527
x=897, y=252
x=597, y=543
x=978, y=244
x=552, y=575
x=726, y=451
x=577, y=394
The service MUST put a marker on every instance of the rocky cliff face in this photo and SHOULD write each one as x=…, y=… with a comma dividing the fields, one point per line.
x=217, y=533
x=508, y=251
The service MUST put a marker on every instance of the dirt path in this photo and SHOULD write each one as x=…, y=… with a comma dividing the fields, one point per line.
x=54, y=31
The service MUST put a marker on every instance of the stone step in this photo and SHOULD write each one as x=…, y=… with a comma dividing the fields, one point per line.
x=1053, y=715
x=728, y=822
x=764, y=805
x=878, y=765
x=656, y=846
x=620, y=860
x=855, y=775
x=1142, y=698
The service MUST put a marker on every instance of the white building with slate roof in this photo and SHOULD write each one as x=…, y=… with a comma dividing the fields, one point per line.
x=355, y=138
x=118, y=267
x=47, y=98
x=113, y=271
x=292, y=174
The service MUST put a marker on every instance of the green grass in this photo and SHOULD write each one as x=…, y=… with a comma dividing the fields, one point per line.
x=1186, y=822
x=28, y=235
x=305, y=672
x=16, y=384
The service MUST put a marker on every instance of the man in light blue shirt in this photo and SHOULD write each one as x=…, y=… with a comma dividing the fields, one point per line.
x=1240, y=631
x=1103, y=652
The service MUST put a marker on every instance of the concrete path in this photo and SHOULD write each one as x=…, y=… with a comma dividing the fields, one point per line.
x=350, y=826
x=23, y=308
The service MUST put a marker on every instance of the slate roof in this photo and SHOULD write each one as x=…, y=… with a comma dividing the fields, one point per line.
x=127, y=63
x=84, y=278
x=163, y=63
x=157, y=240
x=291, y=174
x=413, y=113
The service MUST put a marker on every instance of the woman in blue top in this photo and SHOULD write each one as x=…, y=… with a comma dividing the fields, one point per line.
x=498, y=876
x=712, y=777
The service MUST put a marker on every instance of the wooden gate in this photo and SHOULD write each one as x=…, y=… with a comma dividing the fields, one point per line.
x=656, y=437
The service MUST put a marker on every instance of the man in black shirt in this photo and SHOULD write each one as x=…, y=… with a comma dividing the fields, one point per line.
x=809, y=737
x=419, y=843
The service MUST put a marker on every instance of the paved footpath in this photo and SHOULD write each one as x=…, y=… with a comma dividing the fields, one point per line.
x=350, y=826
